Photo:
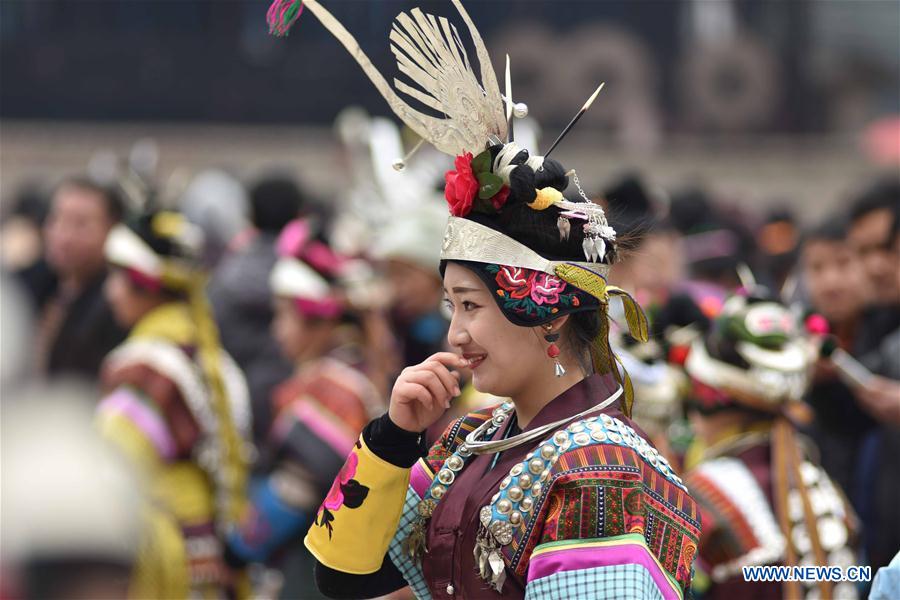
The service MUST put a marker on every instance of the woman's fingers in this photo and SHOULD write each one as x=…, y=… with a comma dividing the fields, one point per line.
x=449, y=360
x=417, y=392
x=432, y=382
x=450, y=383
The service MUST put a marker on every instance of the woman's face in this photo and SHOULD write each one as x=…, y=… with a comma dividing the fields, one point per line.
x=127, y=302
x=506, y=357
x=298, y=338
x=288, y=328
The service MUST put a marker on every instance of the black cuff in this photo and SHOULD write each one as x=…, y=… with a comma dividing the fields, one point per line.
x=393, y=444
x=232, y=559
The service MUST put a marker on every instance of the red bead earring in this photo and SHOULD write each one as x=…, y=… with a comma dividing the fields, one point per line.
x=553, y=350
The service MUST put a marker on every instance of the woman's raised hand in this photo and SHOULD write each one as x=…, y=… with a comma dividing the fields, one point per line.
x=423, y=392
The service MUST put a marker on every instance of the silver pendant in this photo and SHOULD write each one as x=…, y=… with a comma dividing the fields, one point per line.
x=587, y=246
x=498, y=570
x=564, y=227
x=600, y=248
x=558, y=369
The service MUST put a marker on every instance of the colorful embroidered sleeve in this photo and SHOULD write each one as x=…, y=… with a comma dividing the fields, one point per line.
x=385, y=502
x=360, y=514
x=134, y=423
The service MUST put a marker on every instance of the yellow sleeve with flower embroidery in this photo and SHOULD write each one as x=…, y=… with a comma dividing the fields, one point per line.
x=360, y=514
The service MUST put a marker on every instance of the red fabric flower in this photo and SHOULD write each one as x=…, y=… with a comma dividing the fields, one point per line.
x=335, y=498
x=461, y=186
x=516, y=281
x=546, y=288
x=499, y=199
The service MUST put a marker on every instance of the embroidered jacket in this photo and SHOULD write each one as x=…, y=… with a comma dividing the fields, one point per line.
x=157, y=411
x=591, y=510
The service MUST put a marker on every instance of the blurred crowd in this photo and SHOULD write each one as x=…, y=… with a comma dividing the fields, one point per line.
x=232, y=339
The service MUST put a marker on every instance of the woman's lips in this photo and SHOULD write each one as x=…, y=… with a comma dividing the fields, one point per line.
x=475, y=359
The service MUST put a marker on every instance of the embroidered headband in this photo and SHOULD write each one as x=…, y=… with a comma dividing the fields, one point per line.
x=294, y=279
x=152, y=269
x=298, y=273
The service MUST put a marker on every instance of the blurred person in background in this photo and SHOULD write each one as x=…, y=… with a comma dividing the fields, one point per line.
x=71, y=515
x=21, y=243
x=176, y=406
x=760, y=490
x=715, y=243
x=778, y=240
x=408, y=249
x=242, y=299
x=70, y=521
x=652, y=247
x=884, y=397
x=875, y=235
x=652, y=266
x=318, y=412
x=855, y=428
x=839, y=291
x=873, y=219
x=215, y=201
x=75, y=328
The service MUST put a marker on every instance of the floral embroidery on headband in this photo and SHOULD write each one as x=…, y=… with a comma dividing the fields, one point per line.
x=345, y=491
x=532, y=293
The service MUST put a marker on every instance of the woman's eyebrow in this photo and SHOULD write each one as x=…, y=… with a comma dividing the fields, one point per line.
x=463, y=290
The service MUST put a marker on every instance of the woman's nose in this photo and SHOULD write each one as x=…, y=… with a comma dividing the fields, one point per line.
x=457, y=335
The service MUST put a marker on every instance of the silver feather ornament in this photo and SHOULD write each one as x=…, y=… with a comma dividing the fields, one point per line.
x=430, y=53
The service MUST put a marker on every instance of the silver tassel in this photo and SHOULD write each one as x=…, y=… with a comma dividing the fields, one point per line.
x=488, y=559
x=480, y=551
x=498, y=570
x=588, y=247
x=559, y=369
x=600, y=247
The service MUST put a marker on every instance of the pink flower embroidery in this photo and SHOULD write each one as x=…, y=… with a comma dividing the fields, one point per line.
x=335, y=498
x=546, y=288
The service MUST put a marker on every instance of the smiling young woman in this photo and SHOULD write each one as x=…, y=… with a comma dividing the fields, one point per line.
x=506, y=360
x=555, y=492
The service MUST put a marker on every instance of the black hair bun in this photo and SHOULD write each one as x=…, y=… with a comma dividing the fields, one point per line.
x=551, y=174
x=521, y=185
x=142, y=225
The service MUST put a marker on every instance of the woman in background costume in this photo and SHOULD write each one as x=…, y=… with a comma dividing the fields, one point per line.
x=763, y=498
x=320, y=411
x=554, y=493
x=177, y=406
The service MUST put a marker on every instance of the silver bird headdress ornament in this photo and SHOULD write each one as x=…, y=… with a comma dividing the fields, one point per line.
x=476, y=118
